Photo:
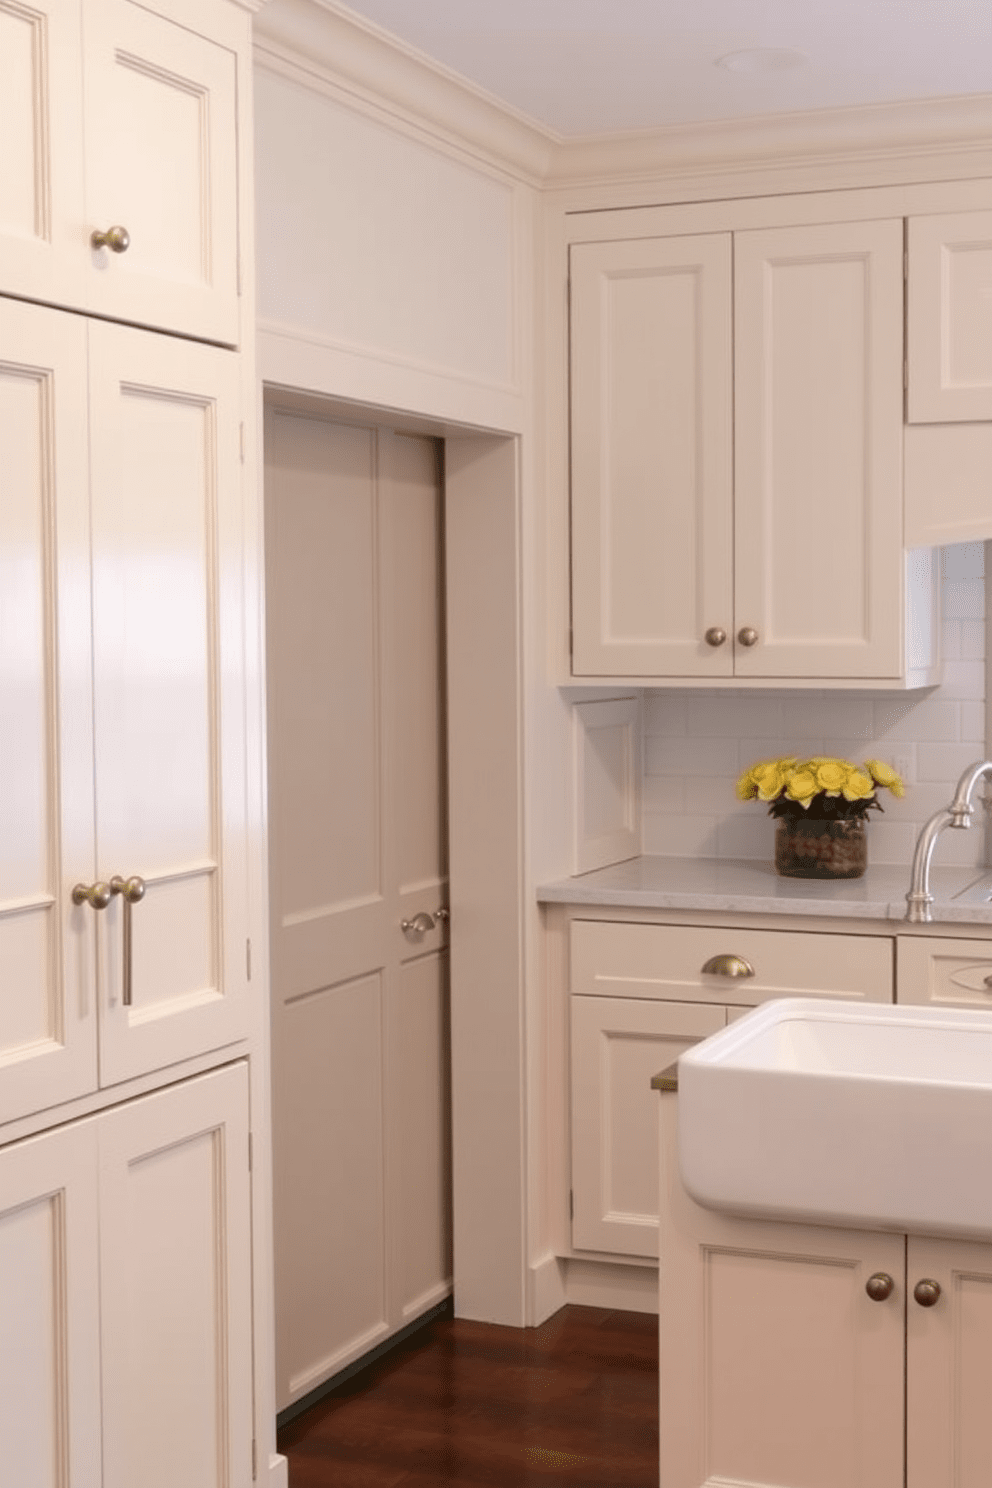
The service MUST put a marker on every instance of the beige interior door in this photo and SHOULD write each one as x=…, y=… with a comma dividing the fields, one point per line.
x=357, y=787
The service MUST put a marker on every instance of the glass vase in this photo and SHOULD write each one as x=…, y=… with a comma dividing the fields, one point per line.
x=820, y=849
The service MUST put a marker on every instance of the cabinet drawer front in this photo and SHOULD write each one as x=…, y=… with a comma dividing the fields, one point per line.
x=610, y=959
x=949, y=973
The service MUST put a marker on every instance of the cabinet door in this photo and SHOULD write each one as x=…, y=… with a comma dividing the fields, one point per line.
x=775, y=1365
x=818, y=450
x=950, y=318
x=161, y=161
x=49, y=1322
x=617, y=1046
x=175, y=1288
x=651, y=469
x=948, y=1366
x=47, y=947
x=42, y=240
x=169, y=719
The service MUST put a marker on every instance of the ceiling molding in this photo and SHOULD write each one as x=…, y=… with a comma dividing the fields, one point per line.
x=827, y=137
x=352, y=54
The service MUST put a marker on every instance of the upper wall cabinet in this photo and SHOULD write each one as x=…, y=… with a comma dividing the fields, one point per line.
x=113, y=117
x=736, y=455
x=950, y=318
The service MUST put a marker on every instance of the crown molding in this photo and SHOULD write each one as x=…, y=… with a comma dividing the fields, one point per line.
x=323, y=39
x=924, y=131
x=354, y=56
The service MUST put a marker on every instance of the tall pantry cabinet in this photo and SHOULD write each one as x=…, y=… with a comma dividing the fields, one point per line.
x=126, y=1023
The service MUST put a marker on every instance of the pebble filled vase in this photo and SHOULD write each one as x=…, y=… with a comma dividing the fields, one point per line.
x=820, y=849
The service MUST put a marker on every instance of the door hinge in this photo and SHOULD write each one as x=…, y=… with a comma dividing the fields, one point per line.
x=248, y=958
x=571, y=1204
x=254, y=1459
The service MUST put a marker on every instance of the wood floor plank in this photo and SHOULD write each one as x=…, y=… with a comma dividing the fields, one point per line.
x=473, y=1405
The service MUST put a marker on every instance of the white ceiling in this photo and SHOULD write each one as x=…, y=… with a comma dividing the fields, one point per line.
x=593, y=67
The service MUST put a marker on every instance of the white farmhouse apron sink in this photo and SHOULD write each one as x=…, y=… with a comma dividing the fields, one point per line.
x=830, y=1112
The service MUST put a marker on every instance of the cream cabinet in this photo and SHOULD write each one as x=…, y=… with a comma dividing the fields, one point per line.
x=949, y=318
x=640, y=995
x=123, y=711
x=736, y=457
x=125, y=1338
x=786, y=1351
x=113, y=116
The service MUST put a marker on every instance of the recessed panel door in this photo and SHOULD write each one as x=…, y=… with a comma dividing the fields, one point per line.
x=357, y=848
x=43, y=248
x=161, y=144
x=169, y=722
x=47, y=944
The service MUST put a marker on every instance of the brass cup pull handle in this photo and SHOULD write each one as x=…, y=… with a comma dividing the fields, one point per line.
x=132, y=891
x=748, y=636
x=927, y=1292
x=880, y=1286
x=715, y=636
x=728, y=966
x=117, y=239
x=96, y=895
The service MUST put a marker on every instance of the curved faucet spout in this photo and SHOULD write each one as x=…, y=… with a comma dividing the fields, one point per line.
x=958, y=814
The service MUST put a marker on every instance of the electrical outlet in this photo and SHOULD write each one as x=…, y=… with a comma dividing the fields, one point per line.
x=903, y=766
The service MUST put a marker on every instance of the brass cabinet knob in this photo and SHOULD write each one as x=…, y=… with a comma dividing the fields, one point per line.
x=715, y=636
x=927, y=1292
x=419, y=925
x=728, y=966
x=117, y=239
x=132, y=889
x=747, y=636
x=96, y=895
x=880, y=1286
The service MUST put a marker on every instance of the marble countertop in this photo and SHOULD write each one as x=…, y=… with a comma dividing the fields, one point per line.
x=739, y=886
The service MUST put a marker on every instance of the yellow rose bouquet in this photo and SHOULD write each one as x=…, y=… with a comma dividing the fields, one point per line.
x=820, y=788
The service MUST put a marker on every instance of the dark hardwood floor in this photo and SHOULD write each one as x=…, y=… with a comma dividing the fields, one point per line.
x=462, y=1404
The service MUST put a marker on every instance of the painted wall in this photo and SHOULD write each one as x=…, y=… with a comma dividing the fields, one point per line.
x=696, y=744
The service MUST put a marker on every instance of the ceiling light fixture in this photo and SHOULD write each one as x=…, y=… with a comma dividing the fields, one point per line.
x=762, y=59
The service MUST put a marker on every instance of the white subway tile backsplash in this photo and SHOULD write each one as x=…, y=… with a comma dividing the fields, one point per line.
x=972, y=640
x=973, y=723
x=697, y=743
x=680, y=836
x=963, y=599
x=963, y=680
x=943, y=762
x=963, y=561
x=734, y=717
x=687, y=756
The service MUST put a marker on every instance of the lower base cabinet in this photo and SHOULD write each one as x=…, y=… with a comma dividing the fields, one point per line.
x=125, y=1295
x=778, y=1366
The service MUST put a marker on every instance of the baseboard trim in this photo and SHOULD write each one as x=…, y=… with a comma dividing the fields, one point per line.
x=545, y=1290
x=444, y=1308
x=608, y=1284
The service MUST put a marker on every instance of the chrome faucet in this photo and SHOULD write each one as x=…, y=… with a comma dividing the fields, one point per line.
x=958, y=814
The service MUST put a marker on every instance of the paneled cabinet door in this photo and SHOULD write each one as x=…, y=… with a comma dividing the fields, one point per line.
x=776, y=1365
x=818, y=314
x=111, y=116
x=651, y=470
x=47, y=967
x=168, y=664
x=949, y=1365
x=175, y=1287
x=49, y=1318
x=618, y=1044
x=950, y=318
